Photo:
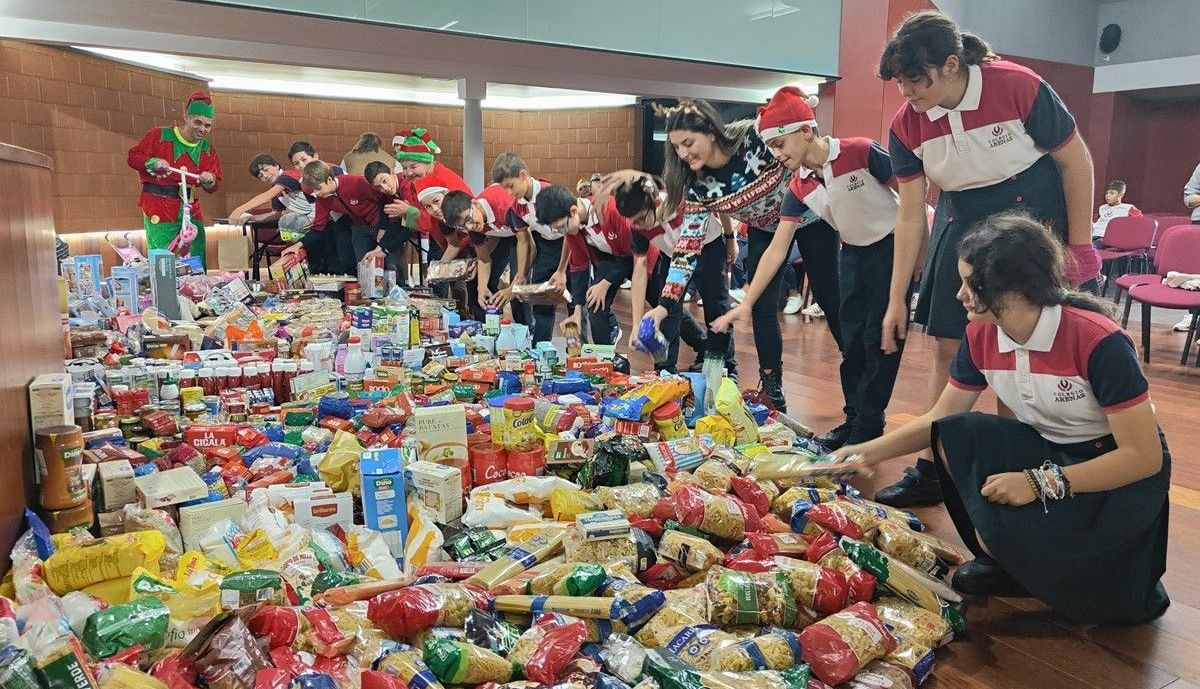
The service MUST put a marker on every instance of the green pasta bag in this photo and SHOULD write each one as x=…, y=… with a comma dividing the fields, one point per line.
x=142, y=621
x=459, y=662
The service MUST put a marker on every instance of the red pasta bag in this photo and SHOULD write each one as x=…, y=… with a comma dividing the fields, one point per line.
x=749, y=490
x=328, y=641
x=175, y=673
x=653, y=527
x=843, y=518
x=375, y=679
x=723, y=516
x=556, y=649
x=406, y=611
x=748, y=560
x=837, y=647
x=272, y=678
x=277, y=624
x=287, y=660
x=825, y=551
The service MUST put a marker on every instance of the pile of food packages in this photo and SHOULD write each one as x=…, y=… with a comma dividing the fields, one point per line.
x=283, y=490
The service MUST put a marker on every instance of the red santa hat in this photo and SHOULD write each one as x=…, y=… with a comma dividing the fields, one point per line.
x=787, y=111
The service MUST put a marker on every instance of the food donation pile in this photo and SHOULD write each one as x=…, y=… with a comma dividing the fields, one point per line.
x=265, y=511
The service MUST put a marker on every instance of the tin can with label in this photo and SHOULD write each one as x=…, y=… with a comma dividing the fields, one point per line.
x=518, y=414
x=489, y=464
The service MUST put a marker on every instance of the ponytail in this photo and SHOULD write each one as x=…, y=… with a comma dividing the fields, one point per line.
x=975, y=50
x=924, y=42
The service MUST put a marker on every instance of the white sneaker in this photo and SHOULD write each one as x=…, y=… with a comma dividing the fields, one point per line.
x=737, y=294
x=793, y=304
x=628, y=284
x=813, y=311
x=1183, y=325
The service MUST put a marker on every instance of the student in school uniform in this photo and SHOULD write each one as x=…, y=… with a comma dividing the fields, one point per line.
x=693, y=249
x=301, y=153
x=549, y=261
x=393, y=230
x=994, y=137
x=291, y=208
x=848, y=188
x=497, y=244
x=1067, y=500
x=349, y=199
x=1114, y=206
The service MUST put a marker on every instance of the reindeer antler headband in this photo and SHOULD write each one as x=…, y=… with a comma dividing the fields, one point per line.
x=686, y=105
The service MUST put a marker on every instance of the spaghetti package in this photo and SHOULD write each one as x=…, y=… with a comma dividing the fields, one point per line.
x=902, y=580
x=591, y=607
x=839, y=646
x=403, y=612
x=795, y=463
x=826, y=552
x=819, y=588
x=739, y=598
x=458, y=662
x=778, y=649
x=518, y=559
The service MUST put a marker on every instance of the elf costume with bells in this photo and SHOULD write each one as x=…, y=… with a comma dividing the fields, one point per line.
x=159, y=201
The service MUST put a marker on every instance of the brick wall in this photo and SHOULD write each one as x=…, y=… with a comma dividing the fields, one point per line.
x=86, y=111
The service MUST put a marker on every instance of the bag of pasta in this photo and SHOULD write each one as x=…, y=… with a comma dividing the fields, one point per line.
x=691, y=553
x=521, y=582
x=407, y=664
x=841, y=517
x=639, y=602
x=914, y=624
x=408, y=610
x=569, y=579
x=778, y=649
x=682, y=607
x=819, y=588
x=607, y=550
x=636, y=499
x=902, y=544
x=671, y=673
x=881, y=674
x=837, y=647
x=783, y=504
x=715, y=473
x=826, y=552
x=560, y=641
x=736, y=598
x=459, y=662
x=757, y=494
x=696, y=644
x=723, y=516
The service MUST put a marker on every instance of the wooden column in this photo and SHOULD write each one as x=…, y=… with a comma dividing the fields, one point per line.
x=30, y=325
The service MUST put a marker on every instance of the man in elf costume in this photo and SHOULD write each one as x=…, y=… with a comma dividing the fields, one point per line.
x=184, y=146
x=415, y=150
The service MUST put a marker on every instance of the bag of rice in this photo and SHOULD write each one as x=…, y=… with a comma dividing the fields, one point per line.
x=837, y=647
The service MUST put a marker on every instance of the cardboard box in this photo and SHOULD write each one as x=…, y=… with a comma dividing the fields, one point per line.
x=164, y=287
x=111, y=523
x=124, y=285
x=51, y=401
x=195, y=520
x=441, y=433
x=384, y=499
x=283, y=496
x=439, y=488
x=83, y=274
x=88, y=474
x=170, y=487
x=116, y=485
x=320, y=511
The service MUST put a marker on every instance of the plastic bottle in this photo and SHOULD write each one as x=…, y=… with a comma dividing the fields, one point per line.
x=264, y=376
x=354, y=367
x=491, y=322
x=290, y=371
x=168, y=395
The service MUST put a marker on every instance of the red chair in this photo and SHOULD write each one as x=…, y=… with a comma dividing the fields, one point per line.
x=1130, y=280
x=1179, y=251
x=1165, y=220
x=1126, y=239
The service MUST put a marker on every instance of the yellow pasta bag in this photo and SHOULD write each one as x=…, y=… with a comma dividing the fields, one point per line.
x=731, y=406
x=718, y=427
x=75, y=567
x=566, y=503
x=339, y=468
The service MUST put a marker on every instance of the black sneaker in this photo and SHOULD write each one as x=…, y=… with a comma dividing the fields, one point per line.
x=837, y=437
x=983, y=576
x=914, y=488
x=860, y=435
x=771, y=383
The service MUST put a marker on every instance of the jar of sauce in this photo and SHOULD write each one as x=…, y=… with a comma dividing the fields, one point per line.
x=59, y=454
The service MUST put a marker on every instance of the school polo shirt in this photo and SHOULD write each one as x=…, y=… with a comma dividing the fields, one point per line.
x=353, y=195
x=1105, y=213
x=1008, y=119
x=1077, y=367
x=292, y=199
x=607, y=230
x=497, y=204
x=523, y=213
x=855, y=198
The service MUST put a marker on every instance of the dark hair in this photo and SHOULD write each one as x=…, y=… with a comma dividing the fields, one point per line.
x=367, y=143
x=924, y=41
x=260, y=161
x=454, y=204
x=701, y=117
x=508, y=165
x=374, y=169
x=554, y=203
x=1013, y=253
x=301, y=147
x=637, y=197
x=1116, y=185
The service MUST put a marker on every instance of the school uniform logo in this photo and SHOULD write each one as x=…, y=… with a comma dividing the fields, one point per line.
x=855, y=183
x=1067, y=392
x=1000, y=136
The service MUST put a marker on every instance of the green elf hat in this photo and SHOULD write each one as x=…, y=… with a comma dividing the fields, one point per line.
x=415, y=144
x=199, y=103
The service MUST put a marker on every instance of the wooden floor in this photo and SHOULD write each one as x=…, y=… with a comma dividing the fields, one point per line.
x=1017, y=642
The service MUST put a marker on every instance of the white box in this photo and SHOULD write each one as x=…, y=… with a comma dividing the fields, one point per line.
x=441, y=433
x=51, y=401
x=439, y=488
x=170, y=487
x=318, y=511
x=194, y=520
x=116, y=484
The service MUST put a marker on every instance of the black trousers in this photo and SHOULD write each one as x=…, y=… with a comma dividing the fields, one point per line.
x=363, y=239
x=868, y=375
x=818, y=246
x=710, y=281
x=504, y=255
x=688, y=329
x=545, y=262
x=616, y=269
x=330, y=251
x=578, y=282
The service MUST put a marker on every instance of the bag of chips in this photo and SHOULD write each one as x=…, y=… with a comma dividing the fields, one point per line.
x=839, y=646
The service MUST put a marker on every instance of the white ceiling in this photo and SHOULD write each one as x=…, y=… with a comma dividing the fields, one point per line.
x=262, y=77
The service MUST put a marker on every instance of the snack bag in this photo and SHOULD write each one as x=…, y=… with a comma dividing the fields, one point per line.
x=458, y=662
x=738, y=598
x=778, y=649
x=405, y=611
x=837, y=647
